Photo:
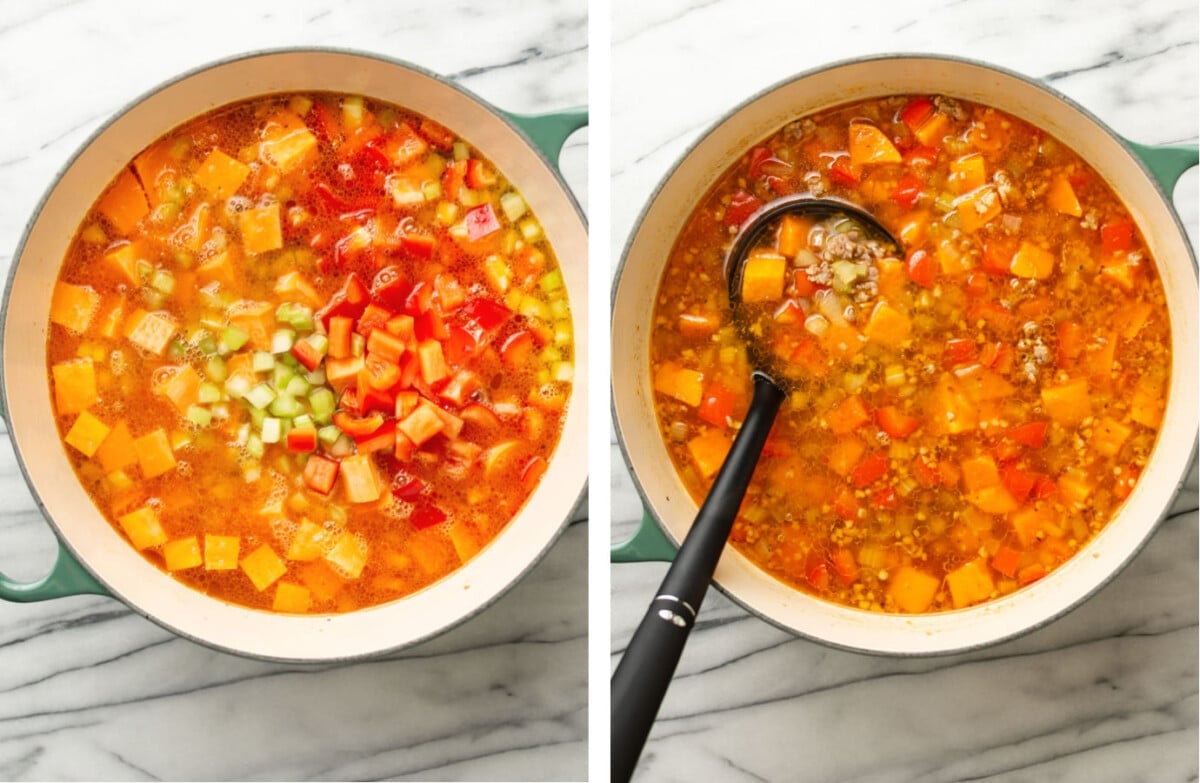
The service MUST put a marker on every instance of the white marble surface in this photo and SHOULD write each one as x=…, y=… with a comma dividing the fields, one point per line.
x=1107, y=693
x=89, y=690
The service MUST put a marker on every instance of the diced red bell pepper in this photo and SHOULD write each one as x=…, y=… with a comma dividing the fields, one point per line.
x=907, y=191
x=306, y=354
x=516, y=349
x=997, y=255
x=487, y=314
x=757, y=156
x=845, y=505
x=323, y=123
x=1116, y=236
x=424, y=516
x=802, y=283
x=960, y=350
x=453, y=178
x=418, y=245
x=1005, y=561
x=896, y=422
x=916, y=112
x=350, y=301
x=420, y=299
x=927, y=475
x=430, y=326
x=373, y=400
x=382, y=439
x=390, y=288
x=1030, y=574
x=410, y=368
x=479, y=175
x=716, y=406
x=1045, y=488
x=885, y=498
x=459, y=346
x=481, y=222
x=922, y=268
x=844, y=173
x=741, y=206
x=920, y=155
x=1031, y=434
x=480, y=416
x=331, y=201
x=843, y=563
x=436, y=134
x=377, y=374
x=1019, y=483
x=406, y=146
x=870, y=470
x=320, y=473
x=532, y=471
x=818, y=575
x=302, y=439
x=409, y=491
x=1127, y=478
x=357, y=427
x=386, y=346
x=348, y=400
x=373, y=317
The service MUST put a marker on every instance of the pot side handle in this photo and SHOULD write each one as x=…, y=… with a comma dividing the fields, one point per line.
x=1166, y=164
x=549, y=132
x=67, y=577
x=647, y=544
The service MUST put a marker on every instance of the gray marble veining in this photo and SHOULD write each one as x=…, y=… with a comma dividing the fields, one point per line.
x=1106, y=693
x=90, y=690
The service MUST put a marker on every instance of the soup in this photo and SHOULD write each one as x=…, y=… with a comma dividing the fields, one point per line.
x=974, y=406
x=310, y=353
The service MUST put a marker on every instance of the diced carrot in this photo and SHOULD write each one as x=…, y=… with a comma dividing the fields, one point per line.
x=1071, y=342
x=152, y=332
x=1030, y=574
x=1100, y=357
x=384, y=344
x=970, y=583
x=260, y=229
x=143, y=528
x=1032, y=261
x=868, y=144
x=360, y=482
x=74, y=386
x=1068, y=403
x=708, y=451
x=433, y=362
x=320, y=473
x=117, y=451
x=1061, y=197
x=221, y=175
x=763, y=277
x=888, y=325
x=1006, y=560
x=1031, y=434
x=73, y=306
x=845, y=504
x=911, y=590
x=87, y=434
x=124, y=204
x=263, y=566
x=848, y=415
x=895, y=422
x=870, y=470
x=154, y=453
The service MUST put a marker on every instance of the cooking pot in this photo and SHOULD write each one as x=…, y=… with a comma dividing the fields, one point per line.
x=92, y=557
x=1141, y=176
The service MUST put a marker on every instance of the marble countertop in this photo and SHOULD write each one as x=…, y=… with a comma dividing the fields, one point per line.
x=90, y=690
x=1108, y=692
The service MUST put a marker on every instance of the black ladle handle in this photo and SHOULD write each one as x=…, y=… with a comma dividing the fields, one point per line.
x=645, y=671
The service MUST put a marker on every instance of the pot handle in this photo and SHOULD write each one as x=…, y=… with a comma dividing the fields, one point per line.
x=549, y=131
x=1166, y=164
x=648, y=544
x=67, y=577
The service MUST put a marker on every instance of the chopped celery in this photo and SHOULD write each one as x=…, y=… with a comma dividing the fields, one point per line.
x=328, y=434
x=257, y=417
x=303, y=422
x=319, y=343
x=163, y=281
x=358, y=344
x=207, y=344
x=297, y=387
x=176, y=350
x=559, y=307
x=263, y=361
x=220, y=411
x=286, y=406
x=531, y=230
x=215, y=369
x=288, y=360
x=513, y=205
x=432, y=190
x=461, y=150
x=254, y=446
x=316, y=377
x=470, y=198
x=243, y=434
x=551, y=281
x=282, y=341
x=144, y=269
x=154, y=298
x=532, y=307
x=564, y=372
x=281, y=375
x=271, y=430
x=199, y=415
x=260, y=396
x=352, y=111
x=234, y=338
x=298, y=316
x=237, y=386
x=562, y=333
x=323, y=403
x=209, y=392
x=342, y=447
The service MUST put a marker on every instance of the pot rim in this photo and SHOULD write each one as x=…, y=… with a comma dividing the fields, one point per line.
x=64, y=541
x=708, y=131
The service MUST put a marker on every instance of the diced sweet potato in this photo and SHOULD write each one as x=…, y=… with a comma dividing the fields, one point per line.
x=122, y=262
x=980, y=472
x=1075, y=486
x=933, y=130
x=309, y=543
x=763, y=277
x=264, y=567
x=289, y=149
x=1109, y=435
x=349, y=554
x=888, y=325
x=1130, y=319
x=422, y=424
x=708, y=451
x=260, y=229
x=1032, y=524
x=1069, y=403
x=994, y=500
x=1032, y=261
x=87, y=434
x=1061, y=197
x=73, y=306
x=360, y=481
x=950, y=411
x=322, y=580
x=848, y=415
x=217, y=269
x=967, y=173
x=181, y=388
x=1146, y=405
x=152, y=332
x=970, y=583
x=156, y=168
x=978, y=208
x=1121, y=273
x=182, y=554
x=291, y=599
x=74, y=386
x=869, y=144
x=845, y=454
x=221, y=552
x=699, y=324
x=679, y=382
x=256, y=319
x=154, y=453
x=792, y=235
x=432, y=361
x=432, y=551
x=221, y=175
x=117, y=451
x=143, y=528
x=465, y=538
x=912, y=590
x=124, y=204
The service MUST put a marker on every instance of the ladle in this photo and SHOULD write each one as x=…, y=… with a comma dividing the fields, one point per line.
x=645, y=670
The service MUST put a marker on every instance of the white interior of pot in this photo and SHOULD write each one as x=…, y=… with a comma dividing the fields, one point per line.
x=106, y=553
x=633, y=398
